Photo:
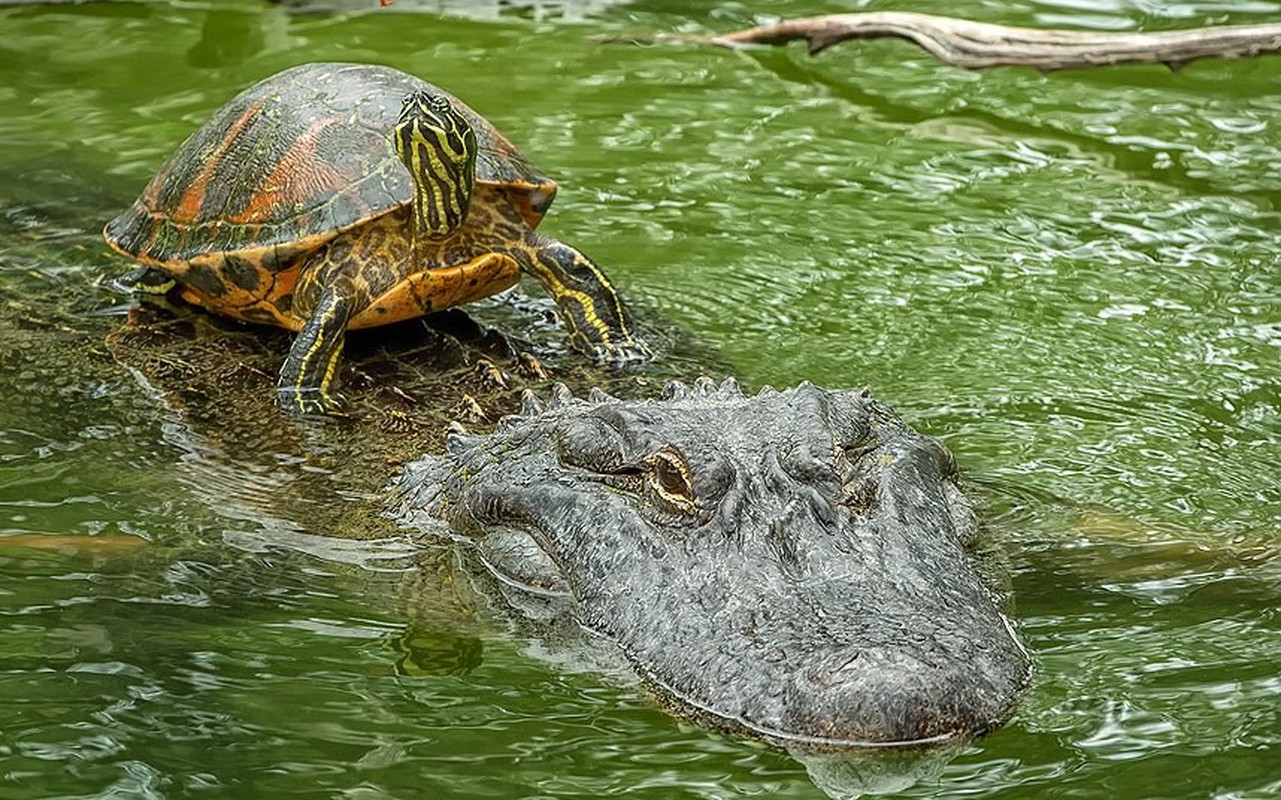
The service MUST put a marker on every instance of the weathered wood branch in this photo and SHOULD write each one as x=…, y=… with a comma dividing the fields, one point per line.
x=975, y=45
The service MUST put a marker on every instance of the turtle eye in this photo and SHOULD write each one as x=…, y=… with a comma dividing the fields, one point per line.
x=670, y=480
x=412, y=100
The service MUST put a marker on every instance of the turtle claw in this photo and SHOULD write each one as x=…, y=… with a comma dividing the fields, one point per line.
x=629, y=351
x=618, y=349
x=308, y=402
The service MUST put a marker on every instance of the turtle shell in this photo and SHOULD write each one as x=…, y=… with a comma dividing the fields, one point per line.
x=291, y=162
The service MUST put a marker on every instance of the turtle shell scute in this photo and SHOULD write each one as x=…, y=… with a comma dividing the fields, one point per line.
x=291, y=162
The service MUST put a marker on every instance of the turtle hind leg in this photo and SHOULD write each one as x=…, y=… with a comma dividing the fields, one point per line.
x=595, y=316
x=306, y=378
x=143, y=280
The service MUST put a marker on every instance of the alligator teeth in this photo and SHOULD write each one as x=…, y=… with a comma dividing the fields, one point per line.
x=675, y=390
x=561, y=395
x=530, y=405
x=598, y=396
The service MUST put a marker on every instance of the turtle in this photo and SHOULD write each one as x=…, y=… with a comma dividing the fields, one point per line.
x=336, y=196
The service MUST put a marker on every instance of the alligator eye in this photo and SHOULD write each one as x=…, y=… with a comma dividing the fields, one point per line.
x=671, y=479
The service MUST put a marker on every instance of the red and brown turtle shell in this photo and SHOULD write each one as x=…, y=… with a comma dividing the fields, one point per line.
x=290, y=163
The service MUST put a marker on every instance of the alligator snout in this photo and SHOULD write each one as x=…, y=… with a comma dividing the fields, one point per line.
x=889, y=696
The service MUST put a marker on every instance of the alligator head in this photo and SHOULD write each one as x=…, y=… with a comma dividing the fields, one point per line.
x=795, y=565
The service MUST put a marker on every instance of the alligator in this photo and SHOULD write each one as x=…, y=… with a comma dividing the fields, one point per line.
x=798, y=566
x=795, y=565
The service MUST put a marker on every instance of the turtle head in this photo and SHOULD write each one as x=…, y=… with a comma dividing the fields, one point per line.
x=438, y=147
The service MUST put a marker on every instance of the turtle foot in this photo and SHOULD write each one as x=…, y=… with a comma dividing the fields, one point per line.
x=308, y=402
x=630, y=351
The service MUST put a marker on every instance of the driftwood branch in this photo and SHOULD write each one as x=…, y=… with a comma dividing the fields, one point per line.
x=975, y=45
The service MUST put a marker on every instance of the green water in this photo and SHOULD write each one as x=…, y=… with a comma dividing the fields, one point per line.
x=1072, y=278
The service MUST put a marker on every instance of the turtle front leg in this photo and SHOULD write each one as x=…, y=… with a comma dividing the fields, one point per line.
x=595, y=317
x=308, y=371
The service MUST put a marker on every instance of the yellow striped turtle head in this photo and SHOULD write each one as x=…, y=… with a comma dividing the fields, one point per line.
x=436, y=143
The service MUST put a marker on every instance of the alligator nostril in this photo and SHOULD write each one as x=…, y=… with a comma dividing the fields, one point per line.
x=849, y=663
x=783, y=545
x=823, y=509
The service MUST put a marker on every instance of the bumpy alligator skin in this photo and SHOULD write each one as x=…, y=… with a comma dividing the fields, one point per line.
x=794, y=565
